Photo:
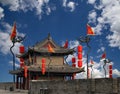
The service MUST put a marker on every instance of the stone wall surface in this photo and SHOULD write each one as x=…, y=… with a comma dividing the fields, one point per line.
x=78, y=86
x=7, y=85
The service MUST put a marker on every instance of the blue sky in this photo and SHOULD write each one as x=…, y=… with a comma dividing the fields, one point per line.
x=63, y=19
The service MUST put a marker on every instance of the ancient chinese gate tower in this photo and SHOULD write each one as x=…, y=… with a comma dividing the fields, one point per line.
x=35, y=58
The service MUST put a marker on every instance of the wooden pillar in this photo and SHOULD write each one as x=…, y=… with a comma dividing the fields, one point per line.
x=26, y=84
x=23, y=82
x=28, y=78
x=17, y=81
x=20, y=83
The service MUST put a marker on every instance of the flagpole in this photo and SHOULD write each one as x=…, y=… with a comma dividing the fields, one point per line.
x=89, y=48
x=91, y=70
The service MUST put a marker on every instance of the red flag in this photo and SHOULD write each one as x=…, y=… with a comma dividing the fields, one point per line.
x=66, y=44
x=13, y=32
x=90, y=30
x=50, y=49
x=103, y=56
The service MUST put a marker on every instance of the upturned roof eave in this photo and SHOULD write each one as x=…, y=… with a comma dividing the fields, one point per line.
x=67, y=70
x=60, y=52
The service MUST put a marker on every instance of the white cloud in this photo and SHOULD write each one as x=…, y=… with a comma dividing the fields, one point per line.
x=27, y=5
x=16, y=65
x=109, y=15
x=73, y=44
x=92, y=16
x=13, y=4
x=4, y=42
x=102, y=49
x=71, y=5
x=1, y=13
x=116, y=72
x=64, y=3
x=114, y=39
x=91, y=1
x=6, y=26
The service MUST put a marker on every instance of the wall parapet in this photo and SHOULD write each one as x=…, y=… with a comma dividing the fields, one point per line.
x=78, y=86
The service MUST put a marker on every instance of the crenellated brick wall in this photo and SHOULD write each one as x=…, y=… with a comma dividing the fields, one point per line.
x=7, y=85
x=78, y=86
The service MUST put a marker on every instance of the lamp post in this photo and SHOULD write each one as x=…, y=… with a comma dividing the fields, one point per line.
x=15, y=40
x=105, y=62
x=86, y=40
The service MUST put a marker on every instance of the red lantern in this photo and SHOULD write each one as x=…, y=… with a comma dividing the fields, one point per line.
x=73, y=65
x=79, y=48
x=79, y=55
x=21, y=60
x=43, y=66
x=43, y=71
x=110, y=76
x=43, y=60
x=110, y=66
x=110, y=71
x=21, y=49
x=73, y=60
x=21, y=64
x=80, y=63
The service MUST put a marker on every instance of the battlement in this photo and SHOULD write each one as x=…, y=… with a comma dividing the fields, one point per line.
x=6, y=85
x=79, y=86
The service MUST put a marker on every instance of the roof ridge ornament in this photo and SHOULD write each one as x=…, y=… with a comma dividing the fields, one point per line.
x=49, y=37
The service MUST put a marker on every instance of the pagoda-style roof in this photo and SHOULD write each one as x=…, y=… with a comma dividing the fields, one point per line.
x=42, y=48
x=51, y=69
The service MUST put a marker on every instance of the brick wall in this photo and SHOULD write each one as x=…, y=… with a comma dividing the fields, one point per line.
x=55, y=60
x=6, y=85
x=79, y=86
